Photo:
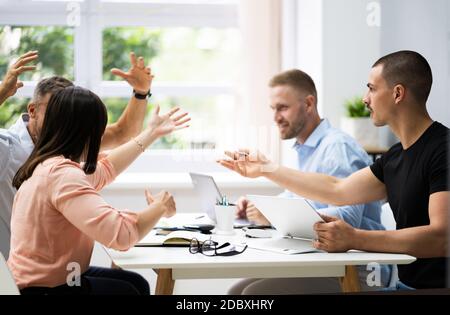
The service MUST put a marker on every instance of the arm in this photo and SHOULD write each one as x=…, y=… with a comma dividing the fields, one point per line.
x=164, y=205
x=360, y=187
x=423, y=241
x=159, y=126
x=341, y=159
x=130, y=122
x=80, y=204
x=11, y=83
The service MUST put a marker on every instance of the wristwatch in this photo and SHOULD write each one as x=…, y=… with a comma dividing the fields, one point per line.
x=142, y=96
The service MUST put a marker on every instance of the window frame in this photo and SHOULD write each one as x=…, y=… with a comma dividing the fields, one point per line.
x=95, y=15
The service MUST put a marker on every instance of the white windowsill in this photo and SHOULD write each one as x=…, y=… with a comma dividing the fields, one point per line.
x=183, y=181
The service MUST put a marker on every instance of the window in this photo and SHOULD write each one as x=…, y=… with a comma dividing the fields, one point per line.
x=16, y=40
x=56, y=42
x=192, y=46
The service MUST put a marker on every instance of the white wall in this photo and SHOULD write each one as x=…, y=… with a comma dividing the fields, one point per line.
x=422, y=26
x=337, y=47
x=350, y=46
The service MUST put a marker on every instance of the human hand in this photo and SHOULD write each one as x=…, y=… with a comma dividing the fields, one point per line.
x=162, y=199
x=241, y=207
x=138, y=76
x=10, y=83
x=248, y=164
x=254, y=215
x=165, y=124
x=333, y=235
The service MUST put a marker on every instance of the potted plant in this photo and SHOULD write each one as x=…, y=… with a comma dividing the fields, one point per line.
x=358, y=124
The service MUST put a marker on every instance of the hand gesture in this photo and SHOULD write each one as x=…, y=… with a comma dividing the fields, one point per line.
x=11, y=83
x=241, y=207
x=254, y=215
x=162, y=199
x=165, y=124
x=247, y=164
x=333, y=235
x=138, y=76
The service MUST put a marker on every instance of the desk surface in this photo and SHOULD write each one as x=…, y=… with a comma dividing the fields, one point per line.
x=172, y=263
x=181, y=258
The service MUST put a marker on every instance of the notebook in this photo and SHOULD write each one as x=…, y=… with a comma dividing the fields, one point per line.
x=176, y=238
x=293, y=218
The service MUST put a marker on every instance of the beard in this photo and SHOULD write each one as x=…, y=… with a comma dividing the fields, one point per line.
x=291, y=130
x=36, y=132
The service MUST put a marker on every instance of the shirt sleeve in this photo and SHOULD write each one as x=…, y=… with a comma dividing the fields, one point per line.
x=5, y=156
x=439, y=168
x=104, y=173
x=79, y=202
x=377, y=168
x=341, y=161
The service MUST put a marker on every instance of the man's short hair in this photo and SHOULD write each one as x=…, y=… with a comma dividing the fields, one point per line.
x=409, y=69
x=297, y=79
x=50, y=85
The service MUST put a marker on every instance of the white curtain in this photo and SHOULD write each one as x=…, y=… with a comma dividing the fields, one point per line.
x=260, y=24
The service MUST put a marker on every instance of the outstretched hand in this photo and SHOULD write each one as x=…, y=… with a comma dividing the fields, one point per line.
x=10, y=83
x=246, y=163
x=163, y=125
x=139, y=76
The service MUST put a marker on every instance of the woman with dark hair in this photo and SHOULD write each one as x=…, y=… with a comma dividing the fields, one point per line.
x=58, y=213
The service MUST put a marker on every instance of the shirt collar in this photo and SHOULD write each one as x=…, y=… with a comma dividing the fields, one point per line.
x=21, y=130
x=316, y=136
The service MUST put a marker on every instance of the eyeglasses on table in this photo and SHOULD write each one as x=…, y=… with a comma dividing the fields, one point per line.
x=210, y=248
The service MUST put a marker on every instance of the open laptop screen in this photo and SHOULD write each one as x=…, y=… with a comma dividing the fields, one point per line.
x=293, y=217
x=208, y=193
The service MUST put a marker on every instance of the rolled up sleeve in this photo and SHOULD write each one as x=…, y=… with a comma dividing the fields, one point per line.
x=104, y=173
x=74, y=196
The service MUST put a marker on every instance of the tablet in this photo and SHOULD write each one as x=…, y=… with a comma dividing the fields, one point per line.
x=292, y=217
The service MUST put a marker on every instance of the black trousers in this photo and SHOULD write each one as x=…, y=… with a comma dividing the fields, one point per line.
x=99, y=281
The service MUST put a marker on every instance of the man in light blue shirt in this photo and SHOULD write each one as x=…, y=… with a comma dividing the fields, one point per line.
x=320, y=148
x=17, y=142
x=330, y=151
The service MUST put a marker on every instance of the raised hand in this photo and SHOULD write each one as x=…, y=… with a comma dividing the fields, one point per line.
x=10, y=83
x=165, y=124
x=163, y=199
x=139, y=76
x=246, y=163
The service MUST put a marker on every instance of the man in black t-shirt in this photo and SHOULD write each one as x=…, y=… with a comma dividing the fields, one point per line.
x=412, y=175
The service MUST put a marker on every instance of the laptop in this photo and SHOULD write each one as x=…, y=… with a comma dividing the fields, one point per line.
x=208, y=193
x=293, y=218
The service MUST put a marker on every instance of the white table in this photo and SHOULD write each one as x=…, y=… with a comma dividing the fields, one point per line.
x=172, y=263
